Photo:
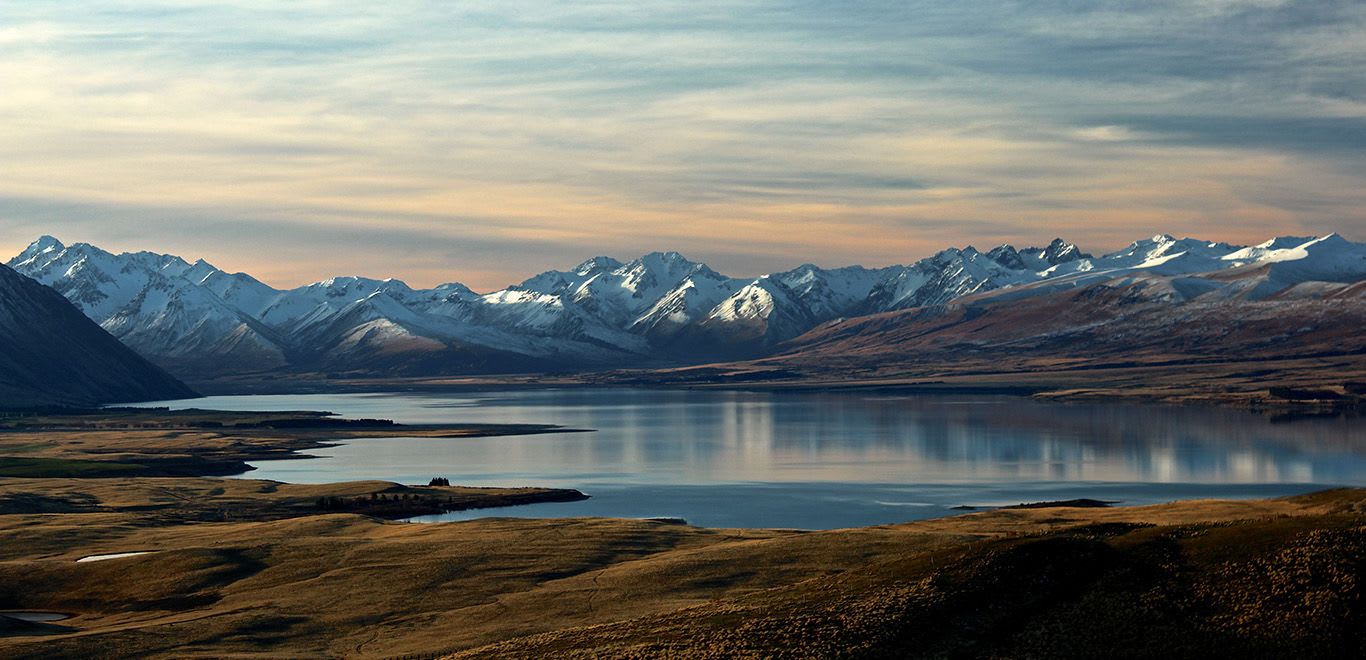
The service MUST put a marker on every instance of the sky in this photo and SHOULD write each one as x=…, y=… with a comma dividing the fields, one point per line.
x=483, y=142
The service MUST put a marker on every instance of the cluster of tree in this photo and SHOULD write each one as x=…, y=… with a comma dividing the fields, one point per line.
x=439, y=481
x=389, y=505
x=331, y=503
x=1305, y=394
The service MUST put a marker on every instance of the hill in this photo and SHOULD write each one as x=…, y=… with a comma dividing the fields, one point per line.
x=51, y=354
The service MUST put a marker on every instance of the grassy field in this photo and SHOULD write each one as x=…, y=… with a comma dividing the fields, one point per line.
x=177, y=500
x=252, y=568
x=1278, y=578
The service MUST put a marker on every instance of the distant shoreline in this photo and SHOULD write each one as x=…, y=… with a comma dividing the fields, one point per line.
x=1284, y=389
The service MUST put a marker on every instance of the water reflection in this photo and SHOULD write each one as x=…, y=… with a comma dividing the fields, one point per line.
x=860, y=446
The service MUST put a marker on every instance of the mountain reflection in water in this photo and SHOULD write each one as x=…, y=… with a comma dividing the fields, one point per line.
x=759, y=459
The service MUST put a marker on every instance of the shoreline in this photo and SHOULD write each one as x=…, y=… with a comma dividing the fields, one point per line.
x=196, y=444
x=193, y=447
x=231, y=567
x=126, y=442
x=1282, y=388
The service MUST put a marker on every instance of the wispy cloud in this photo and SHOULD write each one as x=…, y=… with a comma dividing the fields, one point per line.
x=509, y=135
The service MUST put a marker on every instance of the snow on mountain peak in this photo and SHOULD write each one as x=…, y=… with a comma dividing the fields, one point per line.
x=360, y=284
x=163, y=305
x=1060, y=251
x=1049, y=260
x=45, y=244
x=1284, y=242
x=670, y=264
x=1007, y=256
x=1191, y=254
x=452, y=287
x=669, y=256
x=597, y=264
x=1331, y=258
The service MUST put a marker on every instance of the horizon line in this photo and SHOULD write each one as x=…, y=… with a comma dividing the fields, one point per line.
x=404, y=282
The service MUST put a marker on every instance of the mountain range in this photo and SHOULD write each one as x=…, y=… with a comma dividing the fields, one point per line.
x=663, y=309
x=51, y=354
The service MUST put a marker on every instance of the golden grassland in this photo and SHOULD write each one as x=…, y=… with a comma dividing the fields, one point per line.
x=250, y=568
x=1279, y=577
x=156, y=501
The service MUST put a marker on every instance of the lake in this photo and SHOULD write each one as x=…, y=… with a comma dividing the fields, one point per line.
x=819, y=461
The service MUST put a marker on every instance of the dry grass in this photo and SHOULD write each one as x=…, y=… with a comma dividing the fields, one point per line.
x=152, y=502
x=243, y=568
x=1273, y=576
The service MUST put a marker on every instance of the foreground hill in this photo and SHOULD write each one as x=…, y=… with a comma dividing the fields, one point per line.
x=663, y=310
x=51, y=354
x=1276, y=578
x=1193, y=579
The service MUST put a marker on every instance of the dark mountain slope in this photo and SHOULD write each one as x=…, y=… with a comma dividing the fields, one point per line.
x=51, y=354
x=1114, y=321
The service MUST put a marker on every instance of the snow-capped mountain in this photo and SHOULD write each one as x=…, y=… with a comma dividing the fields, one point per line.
x=659, y=308
x=1179, y=270
x=160, y=305
x=1158, y=301
x=655, y=295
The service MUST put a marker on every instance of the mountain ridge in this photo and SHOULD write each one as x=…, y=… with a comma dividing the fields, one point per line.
x=658, y=309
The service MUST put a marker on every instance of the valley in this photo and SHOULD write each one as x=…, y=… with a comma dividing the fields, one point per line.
x=117, y=530
x=856, y=413
x=781, y=330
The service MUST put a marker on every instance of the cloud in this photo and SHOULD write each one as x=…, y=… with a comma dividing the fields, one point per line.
x=1325, y=136
x=754, y=135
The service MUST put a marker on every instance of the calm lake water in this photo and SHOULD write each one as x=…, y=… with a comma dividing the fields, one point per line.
x=746, y=459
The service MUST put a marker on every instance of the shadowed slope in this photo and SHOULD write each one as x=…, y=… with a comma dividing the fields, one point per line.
x=51, y=354
x=1141, y=583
